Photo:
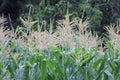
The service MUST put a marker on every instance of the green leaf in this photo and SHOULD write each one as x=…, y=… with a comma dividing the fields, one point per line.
x=43, y=71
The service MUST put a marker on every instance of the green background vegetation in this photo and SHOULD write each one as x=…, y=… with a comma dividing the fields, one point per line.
x=99, y=12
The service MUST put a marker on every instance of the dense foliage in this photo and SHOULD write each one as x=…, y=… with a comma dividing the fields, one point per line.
x=54, y=42
x=99, y=12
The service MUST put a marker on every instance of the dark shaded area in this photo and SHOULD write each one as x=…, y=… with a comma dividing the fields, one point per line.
x=11, y=9
x=110, y=10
